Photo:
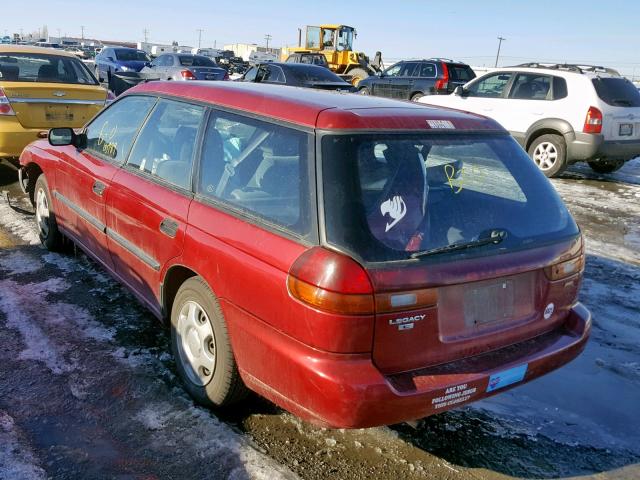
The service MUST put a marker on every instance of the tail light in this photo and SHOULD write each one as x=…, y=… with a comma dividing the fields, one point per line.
x=566, y=268
x=187, y=75
x=226, y=76
x=443, y=83
x=331, y=282
x=593, y=122
x=5, y=106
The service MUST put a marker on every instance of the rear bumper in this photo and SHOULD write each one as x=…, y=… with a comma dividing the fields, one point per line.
x=14, y=137
x=590, y=147
x=348, y=391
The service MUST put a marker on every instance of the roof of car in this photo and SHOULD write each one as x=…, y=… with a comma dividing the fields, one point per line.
x=320, y=109
x=560, y=71
x=6, y=48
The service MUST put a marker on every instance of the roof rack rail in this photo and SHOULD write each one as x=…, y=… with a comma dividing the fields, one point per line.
x=441, y=59
x=571, y=67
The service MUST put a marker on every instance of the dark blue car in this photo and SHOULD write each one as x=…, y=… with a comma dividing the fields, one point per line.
x=119, y=59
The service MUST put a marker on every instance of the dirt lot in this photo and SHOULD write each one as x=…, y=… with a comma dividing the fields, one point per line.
x=88, y=389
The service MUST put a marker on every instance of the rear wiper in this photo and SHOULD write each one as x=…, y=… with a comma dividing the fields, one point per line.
x=622, y=102
x=495, y=237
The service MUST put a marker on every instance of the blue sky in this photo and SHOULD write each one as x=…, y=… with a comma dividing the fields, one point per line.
x=560, y=30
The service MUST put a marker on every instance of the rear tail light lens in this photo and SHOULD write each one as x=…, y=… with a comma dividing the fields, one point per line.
x=443, y=83
x=5, y=106
x=566, y=268
x=331, y=282
x=187, y=75
x=593, y=121
x=405, y=301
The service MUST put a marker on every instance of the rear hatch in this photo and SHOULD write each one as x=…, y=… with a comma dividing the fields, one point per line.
x=621, y=116
x=208, y=73
x=459, y=235
x=48, y=91
x=459, y=74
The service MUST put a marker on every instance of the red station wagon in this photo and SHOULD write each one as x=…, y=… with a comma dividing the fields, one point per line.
x=358, y=261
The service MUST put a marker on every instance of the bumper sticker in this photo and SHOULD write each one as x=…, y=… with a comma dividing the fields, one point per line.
x=507, y=377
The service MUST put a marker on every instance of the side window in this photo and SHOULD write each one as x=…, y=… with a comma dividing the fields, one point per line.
x=250, y=75
x=426, y=70
x=559, y=88
x=408, y=69
x=393, y=71
x=166, y=144
x=112, y=132
x=492, y=86
x=530, y=86
x=259, y=168
x=273, y=74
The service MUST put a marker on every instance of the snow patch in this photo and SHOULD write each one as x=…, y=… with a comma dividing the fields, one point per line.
x=17, y=460
x=21, y=225
x=17, y=262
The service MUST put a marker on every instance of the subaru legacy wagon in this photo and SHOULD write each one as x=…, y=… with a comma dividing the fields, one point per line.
x=358, y=261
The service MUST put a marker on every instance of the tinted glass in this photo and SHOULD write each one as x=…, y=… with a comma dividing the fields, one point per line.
x=393, y=71
x=314, y=74
x=530, y=86
x=37, y=67
x=196, y=61
x=460, y=73
x=166, y=144
x=492, y=86
x=251, y=74
x=618, y=92
x=386, y=197
x=273, y=74
x=408, y=68
x=113, y=131
x=426, y=70
x=559, y=88
x=127, y=55
x=258, y=168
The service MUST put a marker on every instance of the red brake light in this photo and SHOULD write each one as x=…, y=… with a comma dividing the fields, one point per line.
x=5, y=106
x=187, y=75
x=443, y=83
x=593, y=122
x=331, y=282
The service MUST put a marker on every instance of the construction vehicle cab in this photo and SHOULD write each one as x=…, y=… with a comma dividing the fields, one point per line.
x=335, y=42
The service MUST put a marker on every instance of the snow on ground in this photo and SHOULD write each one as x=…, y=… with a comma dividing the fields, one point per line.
x=17, y=460
x=17, y=223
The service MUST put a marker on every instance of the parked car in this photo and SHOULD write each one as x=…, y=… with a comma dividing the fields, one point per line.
x=296, y=75
x=186, y=66
x=41, y=88
x=309, y=58
x=119, y=59
x=355, y=260
x=413, y=79
x=560, y=114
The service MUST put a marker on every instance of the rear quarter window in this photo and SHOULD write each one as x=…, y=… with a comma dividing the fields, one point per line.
x=617, y=92
x=460, y=73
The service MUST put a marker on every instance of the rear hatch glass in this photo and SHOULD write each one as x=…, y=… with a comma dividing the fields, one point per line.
x=387, y=197
x=460, y=73
x=617, y=92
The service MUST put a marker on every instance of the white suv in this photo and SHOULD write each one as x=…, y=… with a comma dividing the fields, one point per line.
x=560, y=114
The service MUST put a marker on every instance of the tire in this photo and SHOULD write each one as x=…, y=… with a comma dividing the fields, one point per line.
x=364, y=91
x=357, y=74
x=549, y=153
x=606, y=166
x=197, y=325
x=46, y=222
x=416, y=96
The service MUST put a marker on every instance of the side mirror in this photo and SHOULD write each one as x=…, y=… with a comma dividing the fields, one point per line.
x=460, y=91
x=60, y=137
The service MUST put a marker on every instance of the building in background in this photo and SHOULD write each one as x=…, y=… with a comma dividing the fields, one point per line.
x=245, y=50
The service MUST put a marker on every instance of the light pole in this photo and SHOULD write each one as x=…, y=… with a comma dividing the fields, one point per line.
x=267, y=37
x=500, y=39
x=82, y=30
x=199, y=30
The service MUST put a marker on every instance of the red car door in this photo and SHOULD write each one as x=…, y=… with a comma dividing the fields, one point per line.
x=147, y=207
x=84, y=176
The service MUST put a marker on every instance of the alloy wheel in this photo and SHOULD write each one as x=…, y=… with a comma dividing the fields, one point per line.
x=545, y=155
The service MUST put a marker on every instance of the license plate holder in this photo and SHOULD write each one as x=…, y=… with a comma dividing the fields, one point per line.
x=57, y=113
x=489, y=303
x=625, y=129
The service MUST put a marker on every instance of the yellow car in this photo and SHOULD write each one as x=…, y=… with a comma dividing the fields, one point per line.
x=42, y=88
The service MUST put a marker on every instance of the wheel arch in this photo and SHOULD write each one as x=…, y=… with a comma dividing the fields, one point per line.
x=28, y=175
x=553, y=126
x=173, y=278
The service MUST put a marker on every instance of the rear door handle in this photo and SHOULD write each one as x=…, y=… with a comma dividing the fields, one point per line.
x=169, y=227
x=98, y=188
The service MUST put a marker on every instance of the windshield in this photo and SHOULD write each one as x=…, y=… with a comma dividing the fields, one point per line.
x=196, y=61
x=387, y=197
x=618, y=92
x=131, y=55
x=37, y=67
x=313, y=74
x=345, y=40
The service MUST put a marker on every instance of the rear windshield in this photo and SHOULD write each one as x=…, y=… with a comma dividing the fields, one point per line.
x=315, y=74
x=131, y=55
x=38, y=67
x=460, y=73
x=196, y=61
x=387, y=197
x=618, y=92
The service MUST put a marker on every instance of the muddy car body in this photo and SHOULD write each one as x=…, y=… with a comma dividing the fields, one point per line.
x=358, y=261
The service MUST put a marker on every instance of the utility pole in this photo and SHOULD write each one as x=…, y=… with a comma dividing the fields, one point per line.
x=82, y=31
x=199, y=30
x=500, y=40
x=59, y=37
x=267, y=37
x=145, y=32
